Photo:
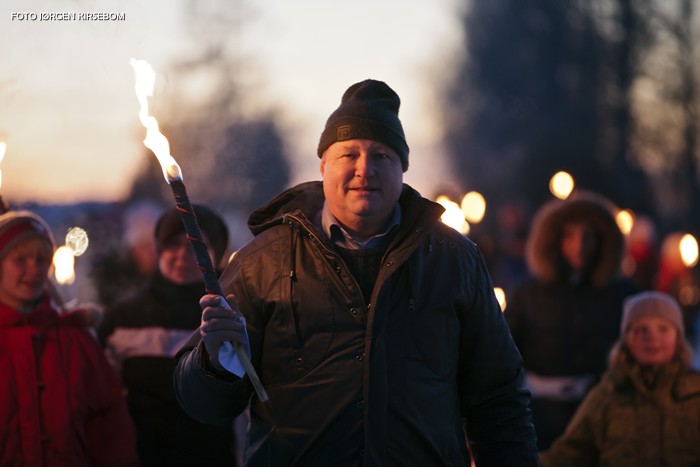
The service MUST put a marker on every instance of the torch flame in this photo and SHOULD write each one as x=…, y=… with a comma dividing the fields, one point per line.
x=625, y=221
x=77, y=240
x=688, y=247
x=561, y=184
x=155, y=141
x=453, y=215
x=501, y=297
x=64, y=264
x=474, y=207
x=3, y=148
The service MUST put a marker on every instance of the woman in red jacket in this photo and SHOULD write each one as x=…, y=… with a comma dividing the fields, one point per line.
x=60, y=401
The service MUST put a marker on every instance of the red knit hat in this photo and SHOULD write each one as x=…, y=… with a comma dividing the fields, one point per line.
x=16, y=226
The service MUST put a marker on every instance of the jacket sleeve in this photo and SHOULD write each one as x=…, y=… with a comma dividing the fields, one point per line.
x=578, y=446
x=495, y=403
x=207, y=396
x=110, y=436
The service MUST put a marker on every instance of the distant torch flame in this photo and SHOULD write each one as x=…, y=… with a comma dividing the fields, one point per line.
x=474, y=207
x=501, y=297
x=155, y=141
x=561, y=184
x=77, y=240
x=3, y=148
x=64, y=262
x=688, y=247
x=625, y=221
x=453, y=215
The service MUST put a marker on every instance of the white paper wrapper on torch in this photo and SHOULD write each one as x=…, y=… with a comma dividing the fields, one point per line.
x=228, y=358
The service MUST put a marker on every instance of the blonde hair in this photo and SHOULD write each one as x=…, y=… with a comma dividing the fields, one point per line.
x=39, y=246
x=620, y=353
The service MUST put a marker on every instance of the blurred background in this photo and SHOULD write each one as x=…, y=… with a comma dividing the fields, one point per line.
x=497, y=97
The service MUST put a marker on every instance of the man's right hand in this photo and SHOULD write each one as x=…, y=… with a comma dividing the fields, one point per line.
x=221, y=322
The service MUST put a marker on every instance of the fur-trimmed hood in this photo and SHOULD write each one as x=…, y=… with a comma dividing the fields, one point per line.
x=543, y=253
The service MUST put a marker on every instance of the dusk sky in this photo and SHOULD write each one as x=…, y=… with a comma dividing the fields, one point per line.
x=69, y=115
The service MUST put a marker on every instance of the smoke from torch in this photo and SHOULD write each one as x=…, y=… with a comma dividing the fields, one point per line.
x=158, y=143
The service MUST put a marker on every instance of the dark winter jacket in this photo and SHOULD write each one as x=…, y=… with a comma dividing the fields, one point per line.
x=565, y=327
x=387, y=382
x=624, y=422
x=60, y=402
x=141, y=335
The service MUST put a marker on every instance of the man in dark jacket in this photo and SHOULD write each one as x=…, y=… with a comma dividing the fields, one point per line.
x=373, y=326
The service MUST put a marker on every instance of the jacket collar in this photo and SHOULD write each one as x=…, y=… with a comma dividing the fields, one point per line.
x=306, y=200
x=42, y=315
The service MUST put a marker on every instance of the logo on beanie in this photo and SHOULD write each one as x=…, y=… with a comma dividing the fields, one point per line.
x=344, y=132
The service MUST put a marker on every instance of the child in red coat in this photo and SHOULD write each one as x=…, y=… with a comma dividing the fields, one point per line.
x=60, y=401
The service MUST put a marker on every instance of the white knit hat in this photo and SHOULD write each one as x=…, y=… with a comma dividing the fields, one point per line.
x=652, y=303
x=20, y=225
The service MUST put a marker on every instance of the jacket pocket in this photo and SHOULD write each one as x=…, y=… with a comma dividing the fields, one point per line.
x=435, y=329
x=298, y=331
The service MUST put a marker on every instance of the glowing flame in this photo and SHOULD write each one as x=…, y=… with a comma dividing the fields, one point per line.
x=625, y=221
x=77, y=240
x=561, y=184
x=64, y=262
x=453, y=215
x=688, y=246
x=3, y=148
x=155, y=141
x=501, y=297
x=474, y=207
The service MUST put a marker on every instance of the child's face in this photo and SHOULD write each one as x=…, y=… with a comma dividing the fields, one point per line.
x=652, y=340
x=23, y=273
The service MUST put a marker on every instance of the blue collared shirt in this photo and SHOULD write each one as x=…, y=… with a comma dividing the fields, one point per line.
x=341, y=237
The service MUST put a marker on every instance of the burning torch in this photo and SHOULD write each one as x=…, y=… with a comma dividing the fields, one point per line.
x=158, y=143
x=3, y=206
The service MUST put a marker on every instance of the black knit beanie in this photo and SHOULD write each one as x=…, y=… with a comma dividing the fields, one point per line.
x=170, y=223
x=368, y=110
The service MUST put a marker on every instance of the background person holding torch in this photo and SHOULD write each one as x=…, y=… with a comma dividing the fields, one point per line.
x=373, y=326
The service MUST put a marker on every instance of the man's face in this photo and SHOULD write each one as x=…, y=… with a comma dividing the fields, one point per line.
x=362, y=181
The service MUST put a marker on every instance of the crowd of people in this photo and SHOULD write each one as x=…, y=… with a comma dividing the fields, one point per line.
x=373, y=327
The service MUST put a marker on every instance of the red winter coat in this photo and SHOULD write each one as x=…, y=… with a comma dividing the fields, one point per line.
x=60, y=401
